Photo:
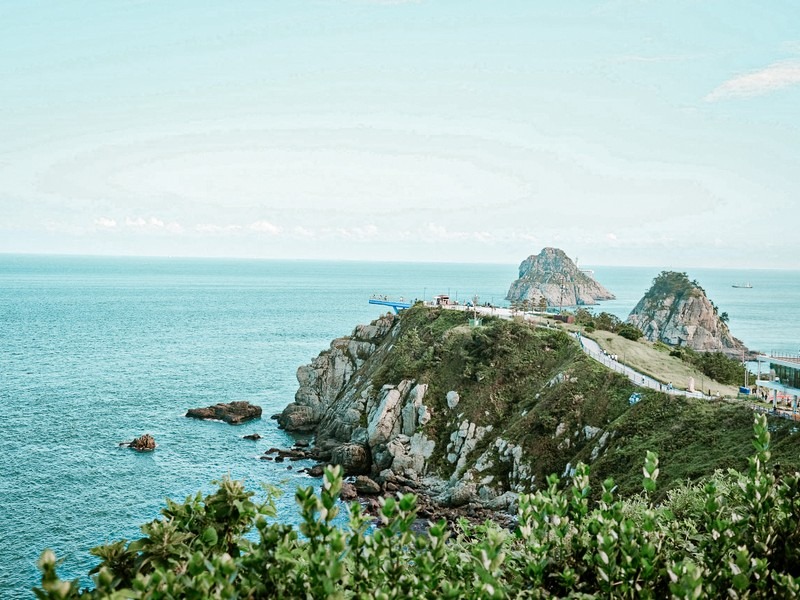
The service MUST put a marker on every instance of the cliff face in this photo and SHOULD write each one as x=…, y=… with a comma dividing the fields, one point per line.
x=323, y=380
x=424, y=398
x=677, y=312
x=480, y=414
x=553, y=276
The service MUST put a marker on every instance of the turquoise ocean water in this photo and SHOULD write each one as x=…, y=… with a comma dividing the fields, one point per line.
x=94, y=351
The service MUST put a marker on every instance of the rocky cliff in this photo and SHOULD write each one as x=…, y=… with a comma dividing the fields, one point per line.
x=553, y=276
x=479, y=414
x=677, y=312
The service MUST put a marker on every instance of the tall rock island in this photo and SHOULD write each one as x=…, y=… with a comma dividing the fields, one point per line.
x=677, y=312
x=553, y=276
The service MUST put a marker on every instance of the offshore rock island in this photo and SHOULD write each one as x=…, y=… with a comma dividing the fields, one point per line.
x=677, y=312
x=552, y=277
x=234, y=413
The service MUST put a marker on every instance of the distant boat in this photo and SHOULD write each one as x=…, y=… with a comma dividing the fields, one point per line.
x=742, y=285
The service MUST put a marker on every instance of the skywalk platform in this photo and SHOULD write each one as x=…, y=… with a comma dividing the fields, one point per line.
x=397, y=305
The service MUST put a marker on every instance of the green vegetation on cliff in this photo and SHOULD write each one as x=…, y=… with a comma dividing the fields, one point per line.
x=671, y=283
x=540, y=391
x=715, y=365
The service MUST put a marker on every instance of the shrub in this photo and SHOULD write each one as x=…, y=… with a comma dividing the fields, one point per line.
x=715, y=365
x=630, y=332
x=737, y=535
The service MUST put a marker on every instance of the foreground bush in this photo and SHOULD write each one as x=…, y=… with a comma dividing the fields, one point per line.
x=734, y=535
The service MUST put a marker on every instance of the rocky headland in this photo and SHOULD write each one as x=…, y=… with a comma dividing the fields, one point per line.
x=234, y=413
x=553, y=277
x=472, y=416
x=677, y=312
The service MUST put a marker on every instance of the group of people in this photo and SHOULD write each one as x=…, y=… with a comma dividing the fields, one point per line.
x=611, y=356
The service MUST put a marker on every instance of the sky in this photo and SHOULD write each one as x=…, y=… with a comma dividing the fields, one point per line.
x=626, y=132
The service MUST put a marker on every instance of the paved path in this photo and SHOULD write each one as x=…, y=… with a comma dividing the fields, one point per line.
x=593, y=349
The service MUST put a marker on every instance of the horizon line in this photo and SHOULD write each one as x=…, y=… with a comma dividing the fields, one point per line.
x=361, y=260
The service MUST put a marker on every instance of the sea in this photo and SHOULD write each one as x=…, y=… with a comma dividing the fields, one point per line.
x=95, y=351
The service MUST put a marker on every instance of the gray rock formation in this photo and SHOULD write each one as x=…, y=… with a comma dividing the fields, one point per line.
x=144, y=443
x=401, y=434
x=677, y=312
x=234, y=413
x=365, y=485
x=364, y=428
x=354, y=458
x=323, y=380
x=553, y=276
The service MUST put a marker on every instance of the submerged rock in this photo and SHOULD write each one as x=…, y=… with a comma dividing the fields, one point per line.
x=316, y=471
x=252, y=436
x=233, y=413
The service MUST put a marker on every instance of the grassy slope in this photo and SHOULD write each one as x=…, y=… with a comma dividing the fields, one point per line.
x=692, y=438
x=647, y=358
x=503, y=371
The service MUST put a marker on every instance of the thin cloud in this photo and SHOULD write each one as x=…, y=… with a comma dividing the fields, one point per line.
x=757, y=83
x=135, y=222
x=303, y=233
x=217, y=229
x=105, y=223
x=522, y=236
x=433, y=231
x=656, y=58
x=388, y=2
x=367, y=232
x=151, y=224
x=265, y=227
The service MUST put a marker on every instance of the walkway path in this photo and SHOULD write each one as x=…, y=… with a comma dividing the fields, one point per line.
x=593, y=349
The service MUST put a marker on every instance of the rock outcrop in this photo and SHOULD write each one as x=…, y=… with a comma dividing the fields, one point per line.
x=326, y=376
x=552, y=276
x=234, y=413
x=374, y=422
x=144, y=443
x=470, y=417
x=677, y=312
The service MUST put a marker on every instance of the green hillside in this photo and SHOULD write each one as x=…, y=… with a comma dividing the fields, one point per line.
x=528, y=382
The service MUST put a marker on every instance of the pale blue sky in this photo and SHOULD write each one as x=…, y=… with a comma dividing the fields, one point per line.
x=625, y=132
